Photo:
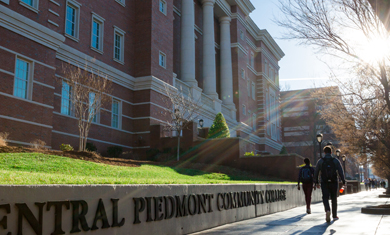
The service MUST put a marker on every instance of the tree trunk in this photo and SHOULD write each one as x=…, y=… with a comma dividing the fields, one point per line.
x=388, y=186
x=178, y=147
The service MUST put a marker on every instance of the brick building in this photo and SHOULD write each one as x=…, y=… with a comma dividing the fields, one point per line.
x=212, y=48
x=301, y=123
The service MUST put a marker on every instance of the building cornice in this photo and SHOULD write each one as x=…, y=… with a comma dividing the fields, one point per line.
x=30, y=29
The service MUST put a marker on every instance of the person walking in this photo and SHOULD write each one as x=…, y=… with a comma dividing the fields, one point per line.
x=306, y=176
x=330, y=169
x=366, y=182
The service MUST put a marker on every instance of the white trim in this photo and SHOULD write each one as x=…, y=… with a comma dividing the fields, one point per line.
x=239, y=46
x=30, y=101
x=101, y=141
x=54, y=13
x=24, y=143
x=28, y=58
x=30, y=29
x=30, y=76
x=76, y=6
x=51, y=22
x=6, y=72
x=43, y=84
x=52, y=1
x=5, y=1
x=176, y=10
x=119, y=113
x=24, y=121
x=198, y=29
x=165, y=7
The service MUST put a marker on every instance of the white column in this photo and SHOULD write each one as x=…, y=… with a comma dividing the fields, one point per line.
x=209, y=74
x=188, y=43
x=226, y=63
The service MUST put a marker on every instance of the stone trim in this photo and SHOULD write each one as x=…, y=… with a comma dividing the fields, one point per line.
x=27, y=100
x=25, y=121
x=30, y=29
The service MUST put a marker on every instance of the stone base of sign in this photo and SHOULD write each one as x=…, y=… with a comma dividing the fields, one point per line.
x=139, y=209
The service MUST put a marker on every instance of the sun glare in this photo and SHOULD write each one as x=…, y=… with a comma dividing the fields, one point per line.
x=375, y=50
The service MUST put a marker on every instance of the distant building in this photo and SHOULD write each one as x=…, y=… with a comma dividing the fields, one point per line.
x=211, y=48
x=301, y=123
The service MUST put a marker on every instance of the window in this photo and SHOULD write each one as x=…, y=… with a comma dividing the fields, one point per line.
x=254, y=122
x=119, y=38
x=248, y=87
x=243, y=73
x=66, y=102
x=162, y=60
x=244, y=109
x=72, y=20
x=97, y=33
x=22, y=78
x=241, y=35
x=31, y=4
x=252, y=60
x=163, y=7
x=115, y=120
x=253, y=91
x=266, y=68
x=93, y=113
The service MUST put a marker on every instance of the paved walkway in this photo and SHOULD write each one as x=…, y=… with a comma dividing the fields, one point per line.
x=296, y=221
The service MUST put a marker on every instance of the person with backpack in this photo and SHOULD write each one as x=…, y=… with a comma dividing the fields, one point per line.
x=330, y=169
x=306, y=176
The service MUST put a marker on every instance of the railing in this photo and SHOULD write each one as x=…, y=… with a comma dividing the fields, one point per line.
x=226, y=111
x=207, y=101
x=182, y=85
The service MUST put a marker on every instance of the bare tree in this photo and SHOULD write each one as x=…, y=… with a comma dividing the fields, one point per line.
x=183, y=108
x=86, y=92
x=343, y=29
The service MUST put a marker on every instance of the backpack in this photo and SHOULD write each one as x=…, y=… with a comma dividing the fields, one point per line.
x=328, y=171
x=306, y=176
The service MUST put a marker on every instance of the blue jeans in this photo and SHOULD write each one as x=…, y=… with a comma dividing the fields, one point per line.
x=330, y=189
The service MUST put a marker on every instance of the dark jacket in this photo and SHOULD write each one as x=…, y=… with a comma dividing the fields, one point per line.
x=300, y=173
x=337, y=163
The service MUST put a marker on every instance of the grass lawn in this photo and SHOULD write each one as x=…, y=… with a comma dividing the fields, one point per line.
x=37, y=168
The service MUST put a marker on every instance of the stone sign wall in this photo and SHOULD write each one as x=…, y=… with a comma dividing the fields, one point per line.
x=138, y=209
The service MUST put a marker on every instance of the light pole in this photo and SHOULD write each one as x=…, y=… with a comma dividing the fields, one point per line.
x=338, y=151
x=319, y=140
x=344, y=158
x=178, y=129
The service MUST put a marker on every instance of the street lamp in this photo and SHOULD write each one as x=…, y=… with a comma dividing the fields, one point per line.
x=201, y=123
x=338, y=153
x=319, y=139
x=344, y=158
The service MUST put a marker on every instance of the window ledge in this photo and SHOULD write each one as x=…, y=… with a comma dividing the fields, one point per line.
x=97, y=50
x=72, y=37
x=119, y=61
x=121, y=3
x=29, y=7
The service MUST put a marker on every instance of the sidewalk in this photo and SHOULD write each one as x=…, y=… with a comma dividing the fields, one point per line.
x=296, y=221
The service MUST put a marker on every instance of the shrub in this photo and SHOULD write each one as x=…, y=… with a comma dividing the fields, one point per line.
x=249, y=154
x=38, y=144
x=181, y=151
x=66, y=147
x=90, y=147
x=167, y=150
x=219, y=129
x=151, y=153
x=114, y=151
x=3, y=138
x=283, y=150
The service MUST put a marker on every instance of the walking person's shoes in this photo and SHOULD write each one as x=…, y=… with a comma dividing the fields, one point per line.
x=308, y=211
x=336, y=218
x=327, y=216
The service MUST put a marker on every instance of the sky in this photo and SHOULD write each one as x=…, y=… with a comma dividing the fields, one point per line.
x=300, y=68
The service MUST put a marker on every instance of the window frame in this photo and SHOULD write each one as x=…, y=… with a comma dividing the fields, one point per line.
x=119, y=121
x=244, y=109
x=252, y=63
x=70, y=107
x=75, y=5
x=34, y=7
x=243, y=73
x=254, y=126
x=99, y=20
x=96, y=118
x=121, y=33
x=242, y=36
x=253, y=89
x=164, y=56
x=164, y=6
x=29, y=80
x=248, y=89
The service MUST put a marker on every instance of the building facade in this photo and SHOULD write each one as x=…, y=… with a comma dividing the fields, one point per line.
x=210, y=48
x=302, y=122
